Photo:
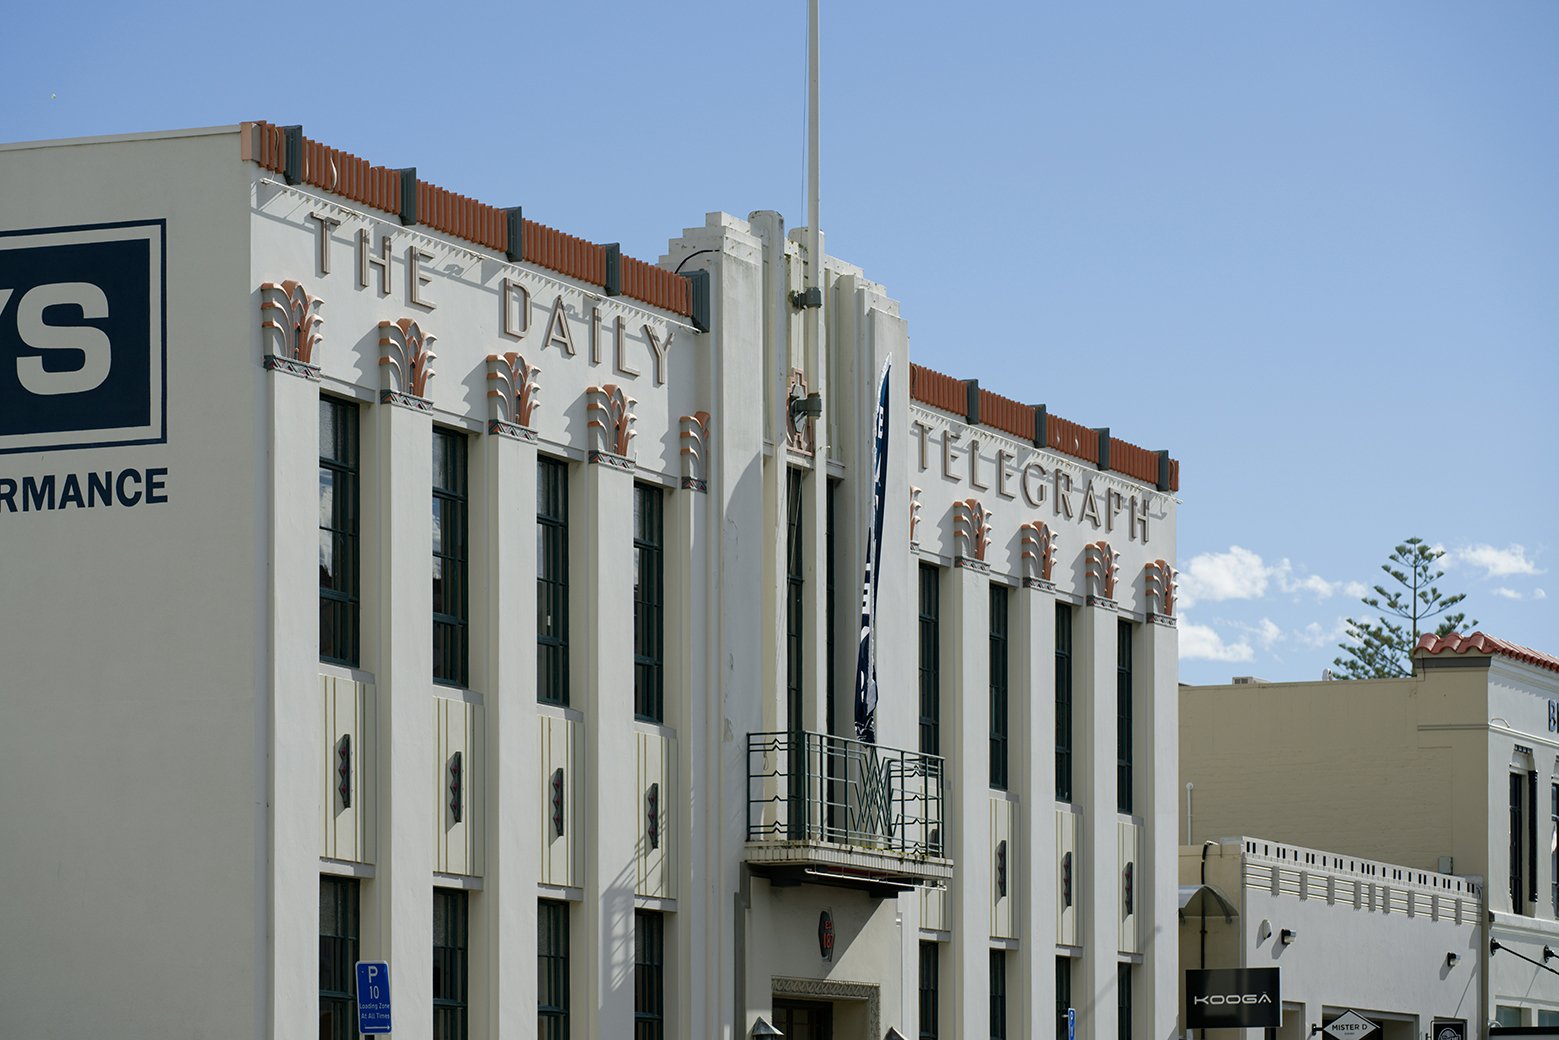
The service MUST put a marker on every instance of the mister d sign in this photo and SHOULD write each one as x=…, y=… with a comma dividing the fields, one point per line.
x=1242, y=998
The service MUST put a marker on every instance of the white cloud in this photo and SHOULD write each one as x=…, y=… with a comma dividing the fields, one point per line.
x=1236, y=574
x=1355, y=590
x=1268, y=633
x=1317, y=635
x=1495, y=562
x=1539, y=594
x=1243, y=574
x=1201, y=643
x=1508, y=593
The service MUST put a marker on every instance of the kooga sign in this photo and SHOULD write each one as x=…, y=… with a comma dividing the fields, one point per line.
x=1233, y=998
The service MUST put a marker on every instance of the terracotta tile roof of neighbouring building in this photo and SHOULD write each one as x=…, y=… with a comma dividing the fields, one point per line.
x=1485, y=644
x=975, y=404
x=461, y=217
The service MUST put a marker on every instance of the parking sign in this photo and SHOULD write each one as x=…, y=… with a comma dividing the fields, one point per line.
x=373, y=997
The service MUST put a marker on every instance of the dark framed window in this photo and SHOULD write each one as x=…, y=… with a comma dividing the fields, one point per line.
x=649, y=975
x=552, y=970
x=551, y=581
x=795, y=600
x=1063, y=702
x=1123, y=748
x=451, y=978
x=649, y=697
x=451, y=596
x=998, y=995
x=930, y=985
x=830, y=661
x=340, y=590
x=1123, y=976
x=338, y=945
x=998, y=683
x=1063, y=993
x=1517, y=904
x=1553, y=845
x=930, y=661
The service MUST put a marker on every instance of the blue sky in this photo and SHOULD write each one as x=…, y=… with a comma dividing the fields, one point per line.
x=1312, y=248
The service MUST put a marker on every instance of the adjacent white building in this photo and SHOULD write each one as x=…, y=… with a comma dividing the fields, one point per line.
x=1452, y=771
x=387, y=576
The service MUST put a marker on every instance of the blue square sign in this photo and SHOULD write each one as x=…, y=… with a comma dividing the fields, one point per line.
x=82, y=344
x=373, y=997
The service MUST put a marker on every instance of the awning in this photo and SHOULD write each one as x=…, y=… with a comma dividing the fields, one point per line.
x=1205, y=901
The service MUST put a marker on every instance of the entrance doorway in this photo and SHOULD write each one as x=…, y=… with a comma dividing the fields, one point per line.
x=804, y=1019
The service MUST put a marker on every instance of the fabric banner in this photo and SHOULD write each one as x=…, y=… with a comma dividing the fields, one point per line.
x=866, y=655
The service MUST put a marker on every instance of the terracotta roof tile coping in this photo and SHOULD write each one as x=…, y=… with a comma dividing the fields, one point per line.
x=1485, y=644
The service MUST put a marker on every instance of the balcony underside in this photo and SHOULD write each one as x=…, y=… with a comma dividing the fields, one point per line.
x=879, y=871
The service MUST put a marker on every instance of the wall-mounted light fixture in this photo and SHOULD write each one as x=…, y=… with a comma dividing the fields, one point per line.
x=1451, y=959
x=1549, y=953
x=1287, y=936
x=762, y=1028
x=805, y=407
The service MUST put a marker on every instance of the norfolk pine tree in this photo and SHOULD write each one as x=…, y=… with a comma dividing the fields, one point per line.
x=1383, y=648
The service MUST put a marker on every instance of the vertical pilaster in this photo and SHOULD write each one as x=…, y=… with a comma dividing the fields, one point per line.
x=687, y=705
x=402, y=889
x=607, y=590
x=1034, y=729
x=507, y=538
x=294, y=696
x=1157, y=744
x=966, y=743
x=1093, y=693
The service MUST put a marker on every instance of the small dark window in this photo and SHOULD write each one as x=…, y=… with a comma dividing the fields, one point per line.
x=1063, y=994
x=551, y=581
x=1123, y=1001
x=649, y=975
x=338, y=944
x=998, y=995
x=649, y=701
x=1517, y=904
x=552, y=970
x=340, y=590
x=451, y=597
x=998, y=683
x=1123, y=737
x=930, y=661
x=451, y=980
x=1063, y=702
x=930, y=981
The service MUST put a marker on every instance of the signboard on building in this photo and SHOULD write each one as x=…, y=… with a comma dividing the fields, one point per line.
x=1233, y=998
x=1350, y=1025
x=1449, y=1029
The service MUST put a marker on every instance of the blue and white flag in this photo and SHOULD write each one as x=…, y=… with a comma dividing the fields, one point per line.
x=866, y=656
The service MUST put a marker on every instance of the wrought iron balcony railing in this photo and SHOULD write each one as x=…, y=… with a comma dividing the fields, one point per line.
x=815, y=787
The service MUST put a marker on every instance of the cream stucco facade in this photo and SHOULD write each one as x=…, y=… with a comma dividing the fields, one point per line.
x=186, y=783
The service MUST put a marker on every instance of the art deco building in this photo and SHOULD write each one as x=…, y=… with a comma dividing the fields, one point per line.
x=389, y=577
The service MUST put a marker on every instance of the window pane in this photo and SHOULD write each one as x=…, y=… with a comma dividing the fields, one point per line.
x=338, y=532
x=648, y=628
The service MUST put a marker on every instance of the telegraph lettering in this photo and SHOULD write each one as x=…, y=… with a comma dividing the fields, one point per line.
x=81, y=337
x=52, y=492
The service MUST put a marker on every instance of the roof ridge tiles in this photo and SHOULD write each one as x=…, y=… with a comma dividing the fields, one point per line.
x=1482, y=642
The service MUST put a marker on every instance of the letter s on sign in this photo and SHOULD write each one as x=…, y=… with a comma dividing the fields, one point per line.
x=93, y=344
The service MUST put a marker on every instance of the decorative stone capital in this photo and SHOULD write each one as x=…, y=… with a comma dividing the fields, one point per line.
x=695, y=450
x=290, y=321
x=405, y=364
x=611, y=420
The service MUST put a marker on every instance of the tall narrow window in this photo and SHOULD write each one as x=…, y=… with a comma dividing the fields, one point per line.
x=339, y=588
x=998, y=683
x=1063, y=994
x=930, y=983
x=1517, y=826
x=649, y=975
x=930, y=662
x=1123, y=747
x=551, y=970
x=1123, y=1001
x=998, y=995
x=1063, y=702
x=795, y=597
x=338, y=931
x=551, y=581
x=1553, y=846
x=830, y=662
x=451, y=645
x=648, y=588
x=451, y=981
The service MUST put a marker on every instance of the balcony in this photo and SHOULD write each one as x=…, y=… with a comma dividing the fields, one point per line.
x=829, y=810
